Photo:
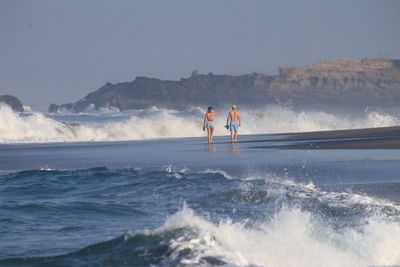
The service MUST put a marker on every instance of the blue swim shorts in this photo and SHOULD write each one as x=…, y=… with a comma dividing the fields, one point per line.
x=233, y=125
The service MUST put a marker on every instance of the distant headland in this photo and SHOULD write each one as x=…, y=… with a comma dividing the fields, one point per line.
x=344, y=83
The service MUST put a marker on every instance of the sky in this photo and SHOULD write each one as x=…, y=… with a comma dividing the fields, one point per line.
x=58, y=51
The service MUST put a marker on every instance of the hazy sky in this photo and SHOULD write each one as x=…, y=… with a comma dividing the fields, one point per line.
x=57, y=51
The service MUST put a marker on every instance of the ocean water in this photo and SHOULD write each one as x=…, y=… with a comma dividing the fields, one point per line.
x=142, y=188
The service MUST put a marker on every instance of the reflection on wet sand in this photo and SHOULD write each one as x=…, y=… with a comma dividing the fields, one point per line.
x=235, y=148
x=212, y=148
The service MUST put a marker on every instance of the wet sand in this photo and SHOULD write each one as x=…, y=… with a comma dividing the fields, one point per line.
x=195, y=153
x=369, y=138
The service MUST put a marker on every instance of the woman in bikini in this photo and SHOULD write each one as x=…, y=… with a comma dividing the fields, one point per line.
x=209, y=123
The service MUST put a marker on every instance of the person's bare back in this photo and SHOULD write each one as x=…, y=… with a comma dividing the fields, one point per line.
x=234, y=115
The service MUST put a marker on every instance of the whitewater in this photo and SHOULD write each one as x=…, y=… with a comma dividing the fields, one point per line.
x=152, y=123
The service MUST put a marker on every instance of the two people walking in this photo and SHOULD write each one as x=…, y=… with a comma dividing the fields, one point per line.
x=232, y=123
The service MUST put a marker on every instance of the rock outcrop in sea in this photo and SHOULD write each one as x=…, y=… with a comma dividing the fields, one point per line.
x=345, y=82
x=13, y=102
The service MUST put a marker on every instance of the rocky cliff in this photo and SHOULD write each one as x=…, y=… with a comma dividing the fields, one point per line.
x=13, y=102
x=347, y=82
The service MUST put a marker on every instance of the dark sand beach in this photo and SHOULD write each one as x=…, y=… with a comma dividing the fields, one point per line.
x=191, y=151
x=369, y=138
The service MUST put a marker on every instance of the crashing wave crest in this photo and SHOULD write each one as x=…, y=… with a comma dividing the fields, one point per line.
x=164, y=123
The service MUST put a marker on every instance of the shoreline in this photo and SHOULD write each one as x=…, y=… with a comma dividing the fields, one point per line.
x=367, y=138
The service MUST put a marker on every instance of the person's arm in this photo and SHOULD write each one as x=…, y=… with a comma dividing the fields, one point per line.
x=239, y=119
x=228, y=119
x=204, y=122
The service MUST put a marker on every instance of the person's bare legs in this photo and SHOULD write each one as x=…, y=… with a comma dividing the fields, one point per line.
x=212, y=135
x=232, y=136
x=235, y=136
x=209, y=134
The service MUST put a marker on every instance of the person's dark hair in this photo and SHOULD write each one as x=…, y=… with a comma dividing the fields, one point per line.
x=209, y=109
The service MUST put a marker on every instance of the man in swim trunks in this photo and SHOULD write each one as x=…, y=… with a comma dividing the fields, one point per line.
x=209, y=123
x=233, y=122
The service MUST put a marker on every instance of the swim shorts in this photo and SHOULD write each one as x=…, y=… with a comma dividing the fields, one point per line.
x=209, y=124
x=233, y=125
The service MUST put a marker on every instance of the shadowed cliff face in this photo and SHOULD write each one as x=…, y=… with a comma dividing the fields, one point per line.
x=12, y=101
x=346, y=83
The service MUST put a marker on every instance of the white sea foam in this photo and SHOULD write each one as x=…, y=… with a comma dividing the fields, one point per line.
x=221, y=172
x=163, y=123
x=283, y=187
x=172, y=171
x=291, y=238
x=47, y=169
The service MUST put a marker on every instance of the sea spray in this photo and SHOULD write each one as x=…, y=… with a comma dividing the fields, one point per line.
x=164, y=123
x=290, y=238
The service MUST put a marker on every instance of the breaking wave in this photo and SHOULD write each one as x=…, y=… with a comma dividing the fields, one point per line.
x=164, y=123
x=304, y=226
x=290, y=238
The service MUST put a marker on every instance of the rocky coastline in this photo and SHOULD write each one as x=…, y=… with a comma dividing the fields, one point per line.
x=344, y=82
